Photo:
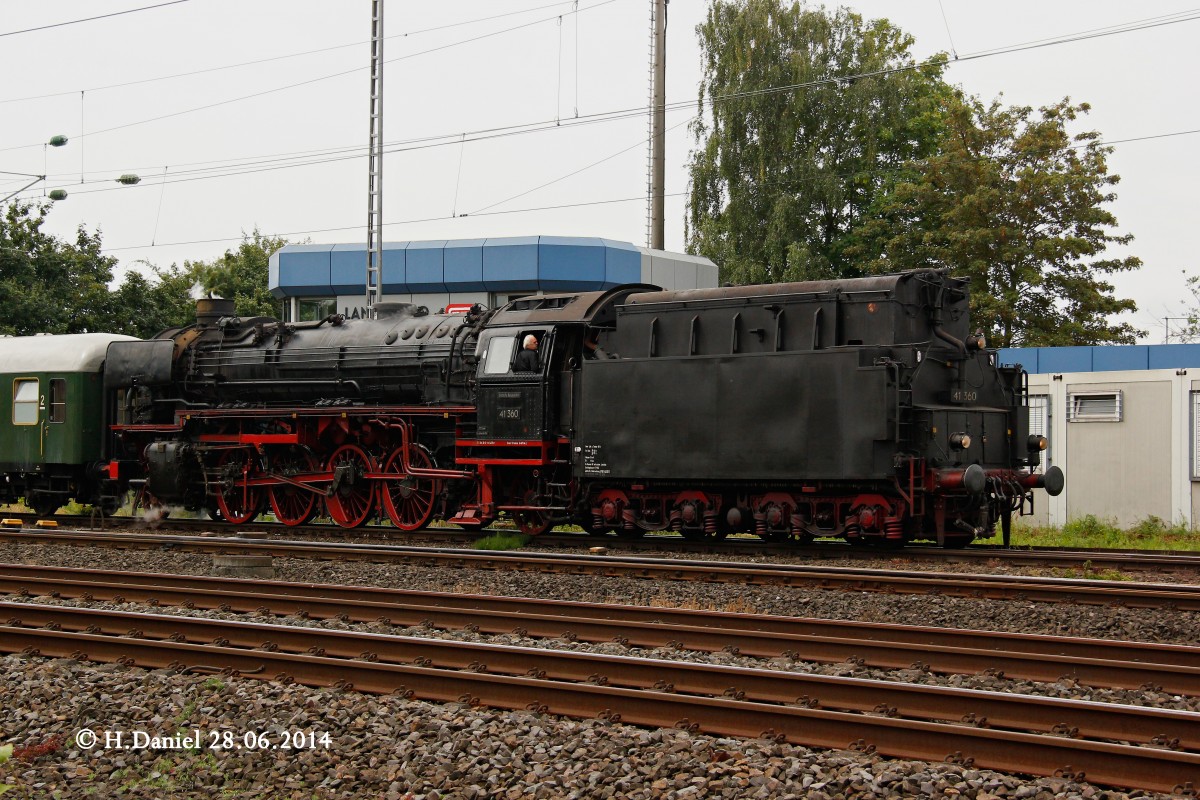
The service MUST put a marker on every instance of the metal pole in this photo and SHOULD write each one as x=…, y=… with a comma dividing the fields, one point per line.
x=660, y=118
x=375, y=170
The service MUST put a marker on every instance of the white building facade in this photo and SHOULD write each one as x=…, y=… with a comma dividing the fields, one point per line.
x=1124, y=426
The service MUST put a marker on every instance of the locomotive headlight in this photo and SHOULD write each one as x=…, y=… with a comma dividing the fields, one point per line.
x=960, y=441
x=1038, y=443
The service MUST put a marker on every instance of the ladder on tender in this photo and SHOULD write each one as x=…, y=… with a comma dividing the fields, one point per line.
x=375, y=170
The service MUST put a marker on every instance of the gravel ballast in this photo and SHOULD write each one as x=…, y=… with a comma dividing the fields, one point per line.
x=1101, y=622
x=391, y=747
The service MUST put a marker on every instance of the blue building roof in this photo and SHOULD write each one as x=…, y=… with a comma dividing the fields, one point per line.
x=1102, y=358
x=513, y=263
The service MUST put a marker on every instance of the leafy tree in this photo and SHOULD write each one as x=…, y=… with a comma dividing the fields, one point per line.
x=51, y=286
x=781, y=179
x=242, y=276
x=866, y=162
x=1190, y=330
x=151, y=306
x=1015, y=202
x=48, y=285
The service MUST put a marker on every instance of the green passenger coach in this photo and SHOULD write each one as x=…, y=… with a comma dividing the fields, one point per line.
x=51, y=437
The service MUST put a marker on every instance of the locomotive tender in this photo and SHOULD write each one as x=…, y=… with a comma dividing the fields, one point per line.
x=861, y=408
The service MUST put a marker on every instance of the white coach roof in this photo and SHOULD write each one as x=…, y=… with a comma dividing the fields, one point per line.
x=72, y=352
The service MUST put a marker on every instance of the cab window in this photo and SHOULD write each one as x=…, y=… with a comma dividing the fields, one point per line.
x=499, y=355
x=25, y=401
x=58, y=400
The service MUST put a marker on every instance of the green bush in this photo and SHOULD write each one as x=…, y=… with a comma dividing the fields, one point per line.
x=501, y=541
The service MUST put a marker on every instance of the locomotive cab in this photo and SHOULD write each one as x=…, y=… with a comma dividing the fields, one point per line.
x=516, y=405
x=512, y=399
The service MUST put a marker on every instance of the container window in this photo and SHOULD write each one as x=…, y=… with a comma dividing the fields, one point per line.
x=25, y=401
x=1039, y=425
x=58, y=400
x=1094, y=407
x=1196, y=436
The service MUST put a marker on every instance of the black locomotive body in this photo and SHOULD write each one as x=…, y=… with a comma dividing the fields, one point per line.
x=857, y=408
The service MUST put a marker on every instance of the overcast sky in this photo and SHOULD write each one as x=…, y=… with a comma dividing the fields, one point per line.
x=474, y=79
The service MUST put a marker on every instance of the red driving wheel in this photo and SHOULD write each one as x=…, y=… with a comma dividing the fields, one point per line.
x=353, y=497
x=409, y=500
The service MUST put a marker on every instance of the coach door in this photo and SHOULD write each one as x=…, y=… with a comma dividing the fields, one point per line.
x=28, y=422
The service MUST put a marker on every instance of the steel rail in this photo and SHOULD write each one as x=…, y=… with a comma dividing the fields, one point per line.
x=674, y=543
x=1112, y=649
x=1071, y=590
x=1100, y=762
x=1076, y=718
x=1129, y=665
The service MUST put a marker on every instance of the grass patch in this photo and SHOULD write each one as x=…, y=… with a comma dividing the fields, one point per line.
x=1088, y=572
x=502, y=541
x=1151, y=533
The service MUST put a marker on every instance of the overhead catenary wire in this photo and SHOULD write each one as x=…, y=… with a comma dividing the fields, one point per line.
x=462, y=139
x=105, y=183
x=558, y=87
x=1016, y=48
x=158, y=216
x=458, y=178
x=554, y=207
x=949, y=35
x=622, y=113
x=488, y=212
x=310, y=81
x=573, y=173
x=91, y=19
x=286, y=56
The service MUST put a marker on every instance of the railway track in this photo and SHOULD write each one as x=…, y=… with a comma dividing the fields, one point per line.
x=1183, y=597
x=1097, y=662
x=1047, y=557
x=1119, y=745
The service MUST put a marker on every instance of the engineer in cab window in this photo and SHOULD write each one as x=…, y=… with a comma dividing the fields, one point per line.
x=527, y=359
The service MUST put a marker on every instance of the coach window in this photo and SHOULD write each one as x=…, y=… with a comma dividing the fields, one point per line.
x=25, y=401
x=58, y=400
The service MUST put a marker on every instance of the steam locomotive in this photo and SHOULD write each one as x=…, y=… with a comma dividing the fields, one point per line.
x=864, y=409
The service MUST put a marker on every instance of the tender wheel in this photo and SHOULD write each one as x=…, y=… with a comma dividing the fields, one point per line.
x=237, y=502
x=44, y=505
x=292, y=505
x=588, y=523
x=353, y=496
x=409, y=501
x=957, y=541
x=109, y=506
